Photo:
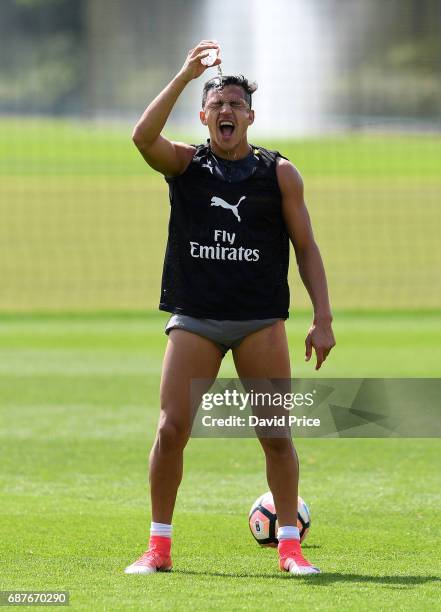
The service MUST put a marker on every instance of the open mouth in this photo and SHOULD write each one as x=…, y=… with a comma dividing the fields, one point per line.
x=226, y=128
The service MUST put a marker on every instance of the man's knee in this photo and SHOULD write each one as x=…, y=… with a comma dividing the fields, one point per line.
x=277, y=446
x=172, y=435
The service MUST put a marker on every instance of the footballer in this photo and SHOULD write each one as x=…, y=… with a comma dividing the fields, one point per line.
x=235, y=207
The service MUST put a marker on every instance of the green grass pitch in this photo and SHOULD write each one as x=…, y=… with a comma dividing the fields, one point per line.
x=79, y=408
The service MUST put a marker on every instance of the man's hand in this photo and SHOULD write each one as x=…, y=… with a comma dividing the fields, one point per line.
x=321, y=338
x=192, y=68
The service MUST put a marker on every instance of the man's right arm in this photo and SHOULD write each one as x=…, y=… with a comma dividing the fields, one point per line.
x=169, y=158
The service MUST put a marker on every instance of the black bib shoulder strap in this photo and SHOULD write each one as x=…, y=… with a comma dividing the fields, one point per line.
x=202, y=150
x=267, y=156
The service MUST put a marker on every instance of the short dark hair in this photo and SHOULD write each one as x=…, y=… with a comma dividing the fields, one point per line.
x=221, y=82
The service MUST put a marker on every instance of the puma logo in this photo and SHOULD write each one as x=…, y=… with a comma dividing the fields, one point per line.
x=215, y=201
x=208, y=165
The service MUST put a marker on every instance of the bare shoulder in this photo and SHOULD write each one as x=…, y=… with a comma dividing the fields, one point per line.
x=289, y=178
x=167, y=157
x=185, y=153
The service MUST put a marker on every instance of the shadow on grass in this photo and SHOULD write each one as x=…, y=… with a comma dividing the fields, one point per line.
x=324, y=579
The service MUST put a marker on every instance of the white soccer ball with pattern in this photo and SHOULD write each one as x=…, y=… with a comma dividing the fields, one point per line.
x=263, y=523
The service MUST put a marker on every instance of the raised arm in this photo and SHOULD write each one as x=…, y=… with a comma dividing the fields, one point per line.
x=169, y=158
x=320, y=335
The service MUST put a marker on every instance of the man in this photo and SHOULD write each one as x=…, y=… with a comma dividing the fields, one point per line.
x=234, y=208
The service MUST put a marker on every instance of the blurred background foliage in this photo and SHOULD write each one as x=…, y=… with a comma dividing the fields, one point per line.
x=388, y=54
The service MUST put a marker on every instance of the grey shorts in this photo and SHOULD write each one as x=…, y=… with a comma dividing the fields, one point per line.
x=225, y=334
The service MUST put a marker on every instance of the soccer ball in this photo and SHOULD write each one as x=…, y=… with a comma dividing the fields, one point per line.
x=263, y=523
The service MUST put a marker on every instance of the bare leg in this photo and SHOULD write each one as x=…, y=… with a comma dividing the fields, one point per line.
x=187, y=356
x=265, y=354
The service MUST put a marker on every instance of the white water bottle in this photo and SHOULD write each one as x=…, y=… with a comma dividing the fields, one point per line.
x=209, y=59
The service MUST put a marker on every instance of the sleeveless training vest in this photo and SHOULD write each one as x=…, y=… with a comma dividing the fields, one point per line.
x=227, y=253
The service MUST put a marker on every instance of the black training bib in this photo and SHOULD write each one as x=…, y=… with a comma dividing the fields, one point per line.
x=227, y=253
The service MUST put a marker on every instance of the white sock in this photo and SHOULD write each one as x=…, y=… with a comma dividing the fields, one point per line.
x=161, y=529
x=288, y=532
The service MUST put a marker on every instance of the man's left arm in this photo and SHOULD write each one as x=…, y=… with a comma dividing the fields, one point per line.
x=320, y=335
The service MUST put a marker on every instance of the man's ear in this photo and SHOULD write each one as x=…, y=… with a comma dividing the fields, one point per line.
x=202, y=117
x=250, y=117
